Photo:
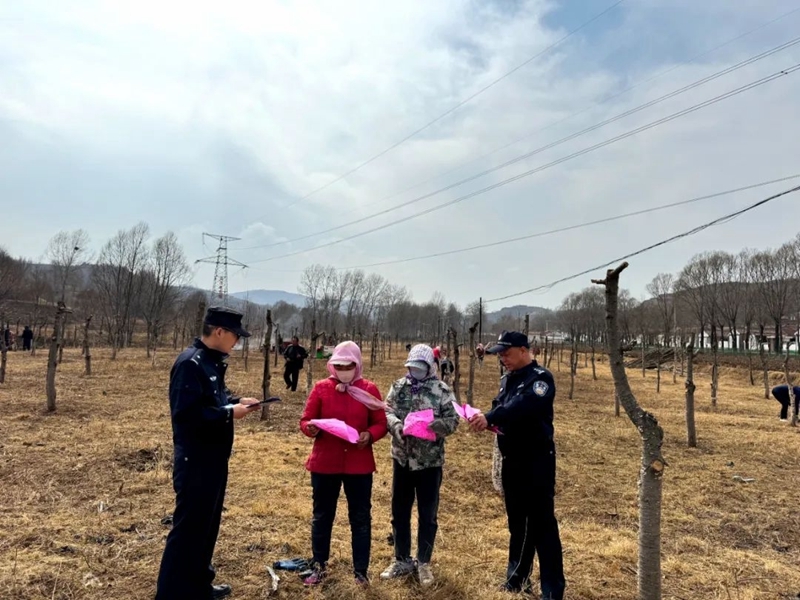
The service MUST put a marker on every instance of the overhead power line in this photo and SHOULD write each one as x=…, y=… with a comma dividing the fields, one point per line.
x=544, y=128
x=549, y=146
x=608, y=142
x=457, y=106
x=698, y=229
x=566, y=228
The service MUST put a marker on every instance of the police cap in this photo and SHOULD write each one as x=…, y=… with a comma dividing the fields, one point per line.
x=509, y=339
x=227, y=318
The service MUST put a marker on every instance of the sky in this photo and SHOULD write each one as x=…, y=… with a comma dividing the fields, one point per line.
x=228, y=118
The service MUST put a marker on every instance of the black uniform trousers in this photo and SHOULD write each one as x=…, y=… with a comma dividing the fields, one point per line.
x=325, y=496
x=199, y=481
x=529, y=499
x=425, y=485
x=291, y=375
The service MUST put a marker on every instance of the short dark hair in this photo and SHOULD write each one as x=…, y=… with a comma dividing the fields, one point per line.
x=208, y=329
x=294, y=337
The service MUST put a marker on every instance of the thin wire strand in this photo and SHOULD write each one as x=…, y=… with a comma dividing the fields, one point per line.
x=548, y=126
x=456, y=107
x=608, y=142
x=718, y=221
x=576, y=226
x=546, y=147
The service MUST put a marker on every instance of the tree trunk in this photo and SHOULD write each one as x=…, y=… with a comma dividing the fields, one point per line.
x=544, y=356
x=114, y=330
x=154, y=338
x=644, y=371
x=87, y=352
x=61, y=329
x=653, y=463
x=714, y=368
x=52, y=359
x=266, y=378
x=246, y=352
x=310, y=371
x=691, y=432
x=790, y=386
x=749, y=355
x=675, y=347
x=573, y=367
x=658, y=372
x=594, y=369
x=373, y=355
x=3, y=351
x=456, y=366
x=764, y=367
x=616, y=404
x=471, y=380
x=527, y=326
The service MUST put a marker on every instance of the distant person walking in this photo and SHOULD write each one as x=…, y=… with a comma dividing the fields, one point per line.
x=781, y=394
x=294, y=354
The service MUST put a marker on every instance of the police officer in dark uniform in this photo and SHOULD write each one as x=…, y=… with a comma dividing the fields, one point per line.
x=523, y=412
x=203, y=410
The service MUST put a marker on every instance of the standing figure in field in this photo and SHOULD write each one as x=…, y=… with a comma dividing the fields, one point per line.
x=203, y=410
x=417, y=463
x=446, y=367
x=781, y=394
x=27, y=338
x=335, y=462
x=294, y=355
x=523, y=412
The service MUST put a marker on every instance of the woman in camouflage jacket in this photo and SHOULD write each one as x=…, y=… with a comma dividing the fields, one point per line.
x=417, y=463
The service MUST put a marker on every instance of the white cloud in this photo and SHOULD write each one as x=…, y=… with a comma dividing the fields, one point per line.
x=214, y=117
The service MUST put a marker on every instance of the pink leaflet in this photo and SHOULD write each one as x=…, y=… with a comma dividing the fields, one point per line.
x=467, y=412
x=338, y=428
x=417, y=422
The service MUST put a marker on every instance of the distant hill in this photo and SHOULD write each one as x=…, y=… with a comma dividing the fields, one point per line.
x=271, y=297
x=514, y=311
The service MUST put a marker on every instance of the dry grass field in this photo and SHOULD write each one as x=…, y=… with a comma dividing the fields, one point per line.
x=84, y=491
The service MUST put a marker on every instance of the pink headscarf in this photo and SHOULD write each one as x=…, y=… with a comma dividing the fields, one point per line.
x=349, y=352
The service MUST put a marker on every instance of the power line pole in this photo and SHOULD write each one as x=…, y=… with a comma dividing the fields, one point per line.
x=219, y=290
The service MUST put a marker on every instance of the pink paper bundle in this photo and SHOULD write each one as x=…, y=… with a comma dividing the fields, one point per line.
x=338, y=428
x=417, y=422
x=467, y=412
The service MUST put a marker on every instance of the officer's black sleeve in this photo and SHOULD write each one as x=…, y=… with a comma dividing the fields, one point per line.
x=186, y=397
x=232, y=398
x=525, y=406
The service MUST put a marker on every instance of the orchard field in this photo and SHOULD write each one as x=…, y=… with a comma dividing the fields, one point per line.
x=85, y=489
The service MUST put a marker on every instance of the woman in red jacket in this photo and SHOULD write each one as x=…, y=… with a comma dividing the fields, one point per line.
x=335, y=462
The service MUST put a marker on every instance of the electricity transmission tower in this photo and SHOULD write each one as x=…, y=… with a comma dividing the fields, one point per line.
x=219, y=291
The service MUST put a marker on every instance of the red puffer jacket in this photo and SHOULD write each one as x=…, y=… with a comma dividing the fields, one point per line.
x=330, y=454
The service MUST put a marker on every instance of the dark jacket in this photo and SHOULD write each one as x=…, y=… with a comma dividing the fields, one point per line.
x=523, y=410
x=200, y=402
x=295, y=355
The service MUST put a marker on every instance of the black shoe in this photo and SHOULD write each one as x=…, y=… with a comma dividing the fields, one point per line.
x=516, y=588
x=220, y=591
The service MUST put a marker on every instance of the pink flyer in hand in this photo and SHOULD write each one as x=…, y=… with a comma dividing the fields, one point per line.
x=338, y=428
x=417, y=422
x=467, y=412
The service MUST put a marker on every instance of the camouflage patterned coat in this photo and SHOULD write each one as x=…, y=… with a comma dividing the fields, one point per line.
x=411, y=451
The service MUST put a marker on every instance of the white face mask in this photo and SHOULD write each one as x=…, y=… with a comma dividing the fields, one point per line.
x=346, y=376
x=418, y=373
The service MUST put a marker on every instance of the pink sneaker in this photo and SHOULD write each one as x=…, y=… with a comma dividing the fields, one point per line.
x=317, y=577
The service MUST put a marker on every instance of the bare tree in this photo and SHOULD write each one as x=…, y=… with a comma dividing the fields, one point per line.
x=471, y=381
x=653, y=463
x=456, y=365
x=117, y=277
x=165, y=270
x=774, y=273
x=52, y=359
x=790, y=385
x=66, y=251
x=87, y=351
x=691, y=432
x=265, y=381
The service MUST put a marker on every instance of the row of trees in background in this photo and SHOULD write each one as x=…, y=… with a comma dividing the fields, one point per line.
x=744, y=301
x=138, y=285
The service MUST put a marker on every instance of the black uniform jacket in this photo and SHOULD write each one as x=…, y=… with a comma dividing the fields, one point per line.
x=200, y=402
x=523, y=411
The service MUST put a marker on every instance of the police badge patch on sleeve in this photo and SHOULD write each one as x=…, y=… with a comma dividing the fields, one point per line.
x=540, y=388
